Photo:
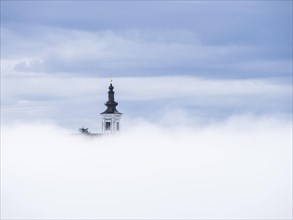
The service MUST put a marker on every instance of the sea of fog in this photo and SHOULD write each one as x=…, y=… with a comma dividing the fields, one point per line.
x=238, y=168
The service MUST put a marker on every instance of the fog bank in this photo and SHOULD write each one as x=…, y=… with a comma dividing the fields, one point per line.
x=237, y=169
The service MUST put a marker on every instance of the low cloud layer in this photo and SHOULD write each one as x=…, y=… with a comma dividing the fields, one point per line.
x=77, y=101
x=237, y=169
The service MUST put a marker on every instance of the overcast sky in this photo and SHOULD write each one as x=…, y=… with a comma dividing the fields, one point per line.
x=57, y=58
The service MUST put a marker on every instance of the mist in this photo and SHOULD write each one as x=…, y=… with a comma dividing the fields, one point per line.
x=237, y=168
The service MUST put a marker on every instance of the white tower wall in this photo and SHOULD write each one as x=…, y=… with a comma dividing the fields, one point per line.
x=110, y=123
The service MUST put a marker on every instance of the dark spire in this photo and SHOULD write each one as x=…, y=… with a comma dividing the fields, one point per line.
x=111, y=104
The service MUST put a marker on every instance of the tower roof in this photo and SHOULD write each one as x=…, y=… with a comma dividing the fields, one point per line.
x=111, y=104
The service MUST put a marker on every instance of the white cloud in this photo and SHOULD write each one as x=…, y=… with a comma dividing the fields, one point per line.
x=238, y=169
x=64, y=99
x=141, y=88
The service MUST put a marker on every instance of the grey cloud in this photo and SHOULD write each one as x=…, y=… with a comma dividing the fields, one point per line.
x=168, y=38
x=134, y=53
x=217, y=22
x=41, y=41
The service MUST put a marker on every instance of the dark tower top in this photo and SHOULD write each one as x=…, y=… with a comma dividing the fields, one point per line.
x=111, y=104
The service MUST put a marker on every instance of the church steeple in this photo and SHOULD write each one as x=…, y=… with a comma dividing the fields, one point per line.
x=111, y=104
x=111, y=116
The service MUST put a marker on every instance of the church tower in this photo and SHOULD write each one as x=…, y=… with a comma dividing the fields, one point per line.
x=111, y=117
